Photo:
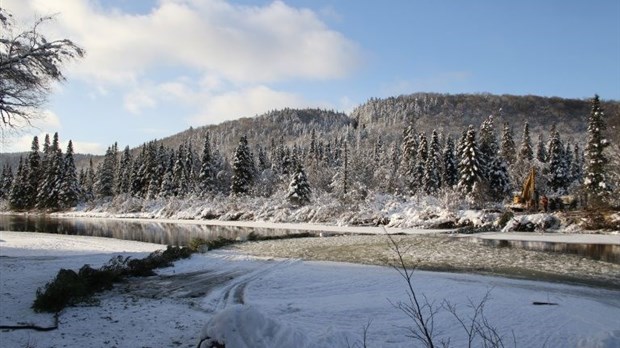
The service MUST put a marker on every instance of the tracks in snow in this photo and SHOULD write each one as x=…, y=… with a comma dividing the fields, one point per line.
x=214, y=289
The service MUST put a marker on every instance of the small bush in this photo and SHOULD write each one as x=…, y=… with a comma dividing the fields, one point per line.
x=66, y=289
x=69, y=287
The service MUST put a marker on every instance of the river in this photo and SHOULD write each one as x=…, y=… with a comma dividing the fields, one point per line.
x=166, y=233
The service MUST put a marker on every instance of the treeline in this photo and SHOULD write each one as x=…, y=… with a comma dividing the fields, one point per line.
x=480, y=164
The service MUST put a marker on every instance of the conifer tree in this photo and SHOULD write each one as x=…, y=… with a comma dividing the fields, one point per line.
x=106, y=173
x=48, y=196
x=341, y=182
x=432, y=177
x=525, y=149
x=568, y=162
x=409, y=151
x=88, y=183
x=541, y=150
x=69, y=187
x=488, y=146
x=495, y=170
x=181, y=179
x=17, y=192
x=125, y=165
x=34, y=173
x=508, y=148
x=595, y=169
x=206, y=177
x=242, y=168
x=418, y=171
x=450, y=166
x=557, y=171
x=299, y=189
x=6, y=180
x=167, y=182
x=263, y=161
x=470, y=164
x=576, y=169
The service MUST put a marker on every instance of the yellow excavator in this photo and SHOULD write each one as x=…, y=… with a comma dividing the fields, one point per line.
x=527, y=199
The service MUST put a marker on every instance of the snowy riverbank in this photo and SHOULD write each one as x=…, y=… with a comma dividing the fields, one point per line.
x=300, y=303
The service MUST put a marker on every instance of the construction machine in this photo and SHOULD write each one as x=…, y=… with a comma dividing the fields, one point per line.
x=527, y=199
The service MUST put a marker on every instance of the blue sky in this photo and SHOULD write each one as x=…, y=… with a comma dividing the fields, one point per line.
x=154, y=68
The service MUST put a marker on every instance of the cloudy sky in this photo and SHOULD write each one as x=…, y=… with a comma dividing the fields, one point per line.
x=156, y=67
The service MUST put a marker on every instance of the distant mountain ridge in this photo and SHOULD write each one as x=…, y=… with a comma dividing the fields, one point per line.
x=387, y=118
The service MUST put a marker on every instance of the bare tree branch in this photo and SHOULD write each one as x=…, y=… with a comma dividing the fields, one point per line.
x=29, y=65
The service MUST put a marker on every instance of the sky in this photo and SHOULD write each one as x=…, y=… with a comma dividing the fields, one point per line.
x=154, y=68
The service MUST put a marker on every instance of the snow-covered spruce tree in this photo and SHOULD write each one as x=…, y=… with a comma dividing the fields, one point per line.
x=207, y=175
x=487, y=145
x=106, y=173
x=378, y=151
x=450, y=174
x=508, y=150
x=263, y=159
x=557, y=172
x=408, y=150
x=495, y=171
x=123, y=181
x=568, y=161
x=576, y=169
x=180, y=172
x=432, y=177
x=525, y=149
x=87, y=182
x=541, y=150
x=243, y=171
x=299, y=189
x=48, y=196
x=470, y=166
x=6, y=180
x=166, y=188
x=17, y=192
x=595, y=169
x=341, y=180
x=34, y=173
x=69, y=187
x=418, y=172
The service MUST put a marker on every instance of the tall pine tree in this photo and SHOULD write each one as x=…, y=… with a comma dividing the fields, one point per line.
x=432, y=177
x=525, y=149
x=595, y=171
x=299, y=189
x=243, y=171
x=470, y=166
x=69, y=187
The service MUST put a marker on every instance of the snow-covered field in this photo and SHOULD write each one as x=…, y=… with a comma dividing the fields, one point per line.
x=279, y=302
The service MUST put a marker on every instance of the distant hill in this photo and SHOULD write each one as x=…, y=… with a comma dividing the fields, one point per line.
x=452, y=113
x=449, y=114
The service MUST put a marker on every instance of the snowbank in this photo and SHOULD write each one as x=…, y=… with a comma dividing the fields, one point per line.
x=281, y=303
x=242, y=326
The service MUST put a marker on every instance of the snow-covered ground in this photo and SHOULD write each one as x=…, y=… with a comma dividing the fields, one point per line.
x=267, y=302
x=393, y=211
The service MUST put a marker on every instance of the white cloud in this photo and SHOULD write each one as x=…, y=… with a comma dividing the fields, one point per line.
x=137, y=100
x=256, y=44
x=87, y=148
x=245, y=103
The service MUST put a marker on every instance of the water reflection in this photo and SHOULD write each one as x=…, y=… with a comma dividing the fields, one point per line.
x=151, y=231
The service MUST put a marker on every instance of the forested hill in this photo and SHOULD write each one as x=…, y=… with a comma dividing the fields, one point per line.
x=450, y=114
x=287, y=125
x=387, y=118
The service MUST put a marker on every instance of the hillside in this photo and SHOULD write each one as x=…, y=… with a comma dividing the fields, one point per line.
x=448, y=114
